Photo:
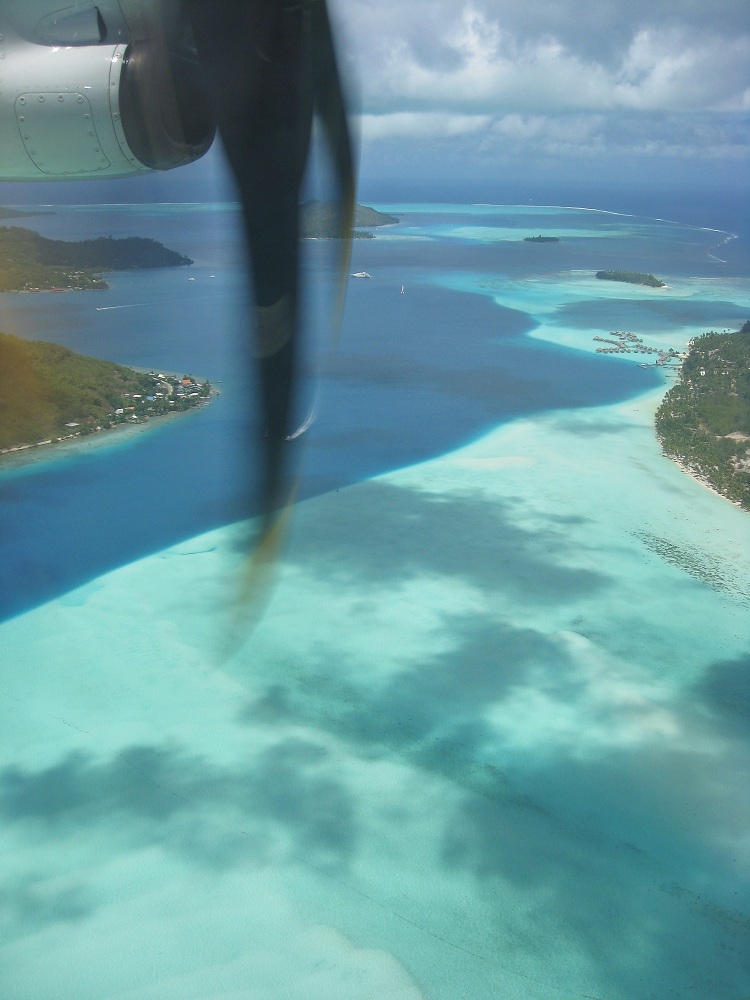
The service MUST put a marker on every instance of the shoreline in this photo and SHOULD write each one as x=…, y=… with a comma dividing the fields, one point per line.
x=548, y=334
x=698, y=478
x=37, y=454
x=48, y=451
x=576, y=339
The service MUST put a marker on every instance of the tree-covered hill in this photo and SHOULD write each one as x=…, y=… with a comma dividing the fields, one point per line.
x=29, y=261
x=631, y=278
x=704, y=420
x=16, y=213
x=45, y=386
x=320, y=220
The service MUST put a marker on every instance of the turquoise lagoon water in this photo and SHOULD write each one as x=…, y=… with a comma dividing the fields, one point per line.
x=489, y=735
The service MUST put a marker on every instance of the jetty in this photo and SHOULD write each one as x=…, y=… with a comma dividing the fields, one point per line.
x=631, y=343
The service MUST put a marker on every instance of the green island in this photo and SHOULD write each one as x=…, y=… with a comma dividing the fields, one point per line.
x=541, y=239
x=703, y=422
x=631, y=278
x=49, y=394
x=15, y=213
x=32, y=263
x=320, y=221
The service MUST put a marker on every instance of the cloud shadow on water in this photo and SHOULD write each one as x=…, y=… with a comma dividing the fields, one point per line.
x=393, y=533
x=287, y=803
x=610, y=853
x=30, y=901
x=624, y=864
x=725, y=687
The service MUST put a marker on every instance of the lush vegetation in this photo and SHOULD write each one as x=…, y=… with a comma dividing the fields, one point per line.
x=704, y=420
x=44, y=387
x=30, y=262
x=320, y=221
x=14, y=213
x=631, y=277
x=541, y=239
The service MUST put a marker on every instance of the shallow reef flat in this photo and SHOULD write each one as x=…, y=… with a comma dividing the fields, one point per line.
x=488, y=738
x=487, y=734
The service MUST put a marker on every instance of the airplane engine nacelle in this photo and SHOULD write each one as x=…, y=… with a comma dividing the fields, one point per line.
x=99, y=110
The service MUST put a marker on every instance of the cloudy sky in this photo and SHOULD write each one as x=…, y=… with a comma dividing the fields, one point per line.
x=509, y=96
x=642, y=90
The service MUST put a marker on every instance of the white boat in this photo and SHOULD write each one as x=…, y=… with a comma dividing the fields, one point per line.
x=361, y=274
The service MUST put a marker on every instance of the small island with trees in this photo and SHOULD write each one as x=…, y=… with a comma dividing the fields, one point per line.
x=541, y=239
x=320, y=221
x=16, y=213
x=631, y=278
x=703, y=422
x=50, y=394
x=32, y=263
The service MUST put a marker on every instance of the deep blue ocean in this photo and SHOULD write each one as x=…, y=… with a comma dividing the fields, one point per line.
x=412, y=376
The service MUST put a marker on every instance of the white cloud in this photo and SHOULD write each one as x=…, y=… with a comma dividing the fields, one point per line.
x=494, y=72
x=629, y=134
x=664, y=72
x=539, y=76
x=576, y=128
x=421, y=124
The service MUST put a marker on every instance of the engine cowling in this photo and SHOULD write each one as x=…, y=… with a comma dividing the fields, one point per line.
x=77, y=112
